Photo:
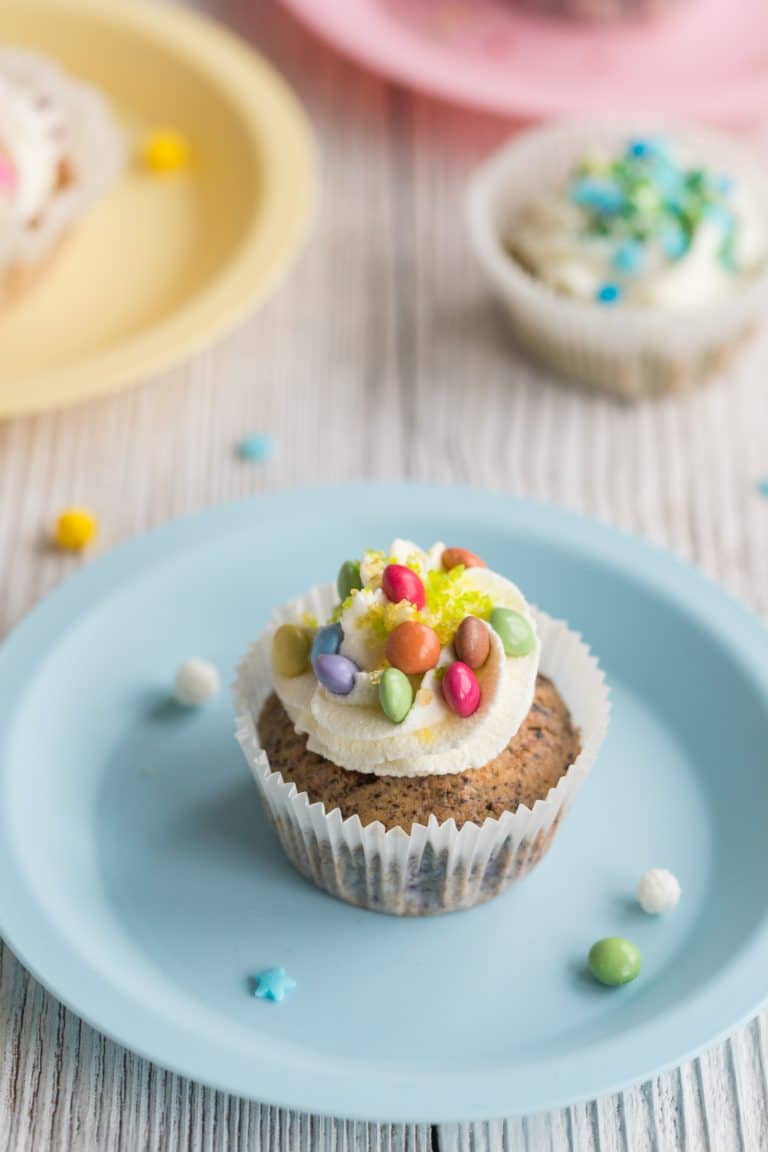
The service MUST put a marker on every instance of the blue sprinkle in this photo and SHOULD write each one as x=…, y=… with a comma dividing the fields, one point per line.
x=608, y=293
x=647, y=148
x=674, y=243
x=629, y=257
x=272, y=984
x=258, y=448
x=720, y=215
x=599, y=195
x=762, y=487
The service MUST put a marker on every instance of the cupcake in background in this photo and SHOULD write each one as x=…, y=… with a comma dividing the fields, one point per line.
x=417, y=731
x=631, y=262
x=60, y=150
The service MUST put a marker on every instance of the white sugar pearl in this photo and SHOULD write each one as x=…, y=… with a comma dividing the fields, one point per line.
x=195, y=682
x=658, y=891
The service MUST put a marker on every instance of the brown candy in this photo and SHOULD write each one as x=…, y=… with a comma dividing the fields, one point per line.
x=472, y=642
x=413, y=647
x=452, y=557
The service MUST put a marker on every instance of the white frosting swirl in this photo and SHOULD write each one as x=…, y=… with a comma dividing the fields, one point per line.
x=32, y=148
x=551, y=240
x=352, y=731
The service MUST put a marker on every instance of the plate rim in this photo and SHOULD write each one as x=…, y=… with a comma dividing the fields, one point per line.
x=275, y=117
x=94, y=1000
x=319, y=19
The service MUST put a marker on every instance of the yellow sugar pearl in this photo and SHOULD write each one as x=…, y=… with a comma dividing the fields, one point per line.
x=166, y=151
x=75, y=528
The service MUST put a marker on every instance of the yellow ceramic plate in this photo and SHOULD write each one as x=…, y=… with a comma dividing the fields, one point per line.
x=165, y=264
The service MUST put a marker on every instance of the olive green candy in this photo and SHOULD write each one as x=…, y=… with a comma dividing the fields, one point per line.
x=614, y=961
x=291, y=646
x=395, y=695
x=348, y=578
x=514, y=630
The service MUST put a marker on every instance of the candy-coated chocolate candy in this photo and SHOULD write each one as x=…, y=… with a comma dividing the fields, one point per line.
x=327, y=641
x=614, y=961
x=349, y=578
x=461, y=689
x=395, y=695
x=452, y=557
x=290, y=650
x=336, y=673
x=401, y=583
x=472, y=642
x=413, y=647
x=514, y=630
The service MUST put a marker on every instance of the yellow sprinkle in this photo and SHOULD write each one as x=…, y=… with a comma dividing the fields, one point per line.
x=75, y=528
x=166, y=151
x=426, y=735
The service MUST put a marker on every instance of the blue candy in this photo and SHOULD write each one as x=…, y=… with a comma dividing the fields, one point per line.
x=629, y=257
x=599, y=195
x=608, y=293
x=336, y=673
x=327, y=641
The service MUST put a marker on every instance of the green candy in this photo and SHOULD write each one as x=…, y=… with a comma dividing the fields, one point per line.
x=348, y=578
x=614, y=961
x=514, y=630
x=395, y=695
x=291, y=646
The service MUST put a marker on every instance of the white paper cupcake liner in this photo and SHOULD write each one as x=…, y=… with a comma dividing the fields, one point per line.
x=95, y=159
x=631, y=352
x=437, y=867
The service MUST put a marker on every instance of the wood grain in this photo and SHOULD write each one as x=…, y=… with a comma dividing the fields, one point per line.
x=382, y=356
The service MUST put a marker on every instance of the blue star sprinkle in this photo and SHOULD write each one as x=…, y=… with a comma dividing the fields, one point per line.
x=608, y=293
x=272, y=984
x=258, y=448
x=762, y=487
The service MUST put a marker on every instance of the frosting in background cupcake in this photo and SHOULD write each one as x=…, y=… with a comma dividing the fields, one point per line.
x=643, y=228
x=352, y=731
x=32, y=151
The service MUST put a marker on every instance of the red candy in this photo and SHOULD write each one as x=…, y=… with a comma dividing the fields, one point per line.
x=461, y=690
x=401, y=583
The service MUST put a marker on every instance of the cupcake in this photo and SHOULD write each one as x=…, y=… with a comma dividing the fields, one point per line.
x=632, y=263
x=59, y=152
x=417, y=731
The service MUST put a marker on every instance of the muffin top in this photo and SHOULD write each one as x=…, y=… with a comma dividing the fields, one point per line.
x=645, y=226
x=426, y=664
x=33, y=143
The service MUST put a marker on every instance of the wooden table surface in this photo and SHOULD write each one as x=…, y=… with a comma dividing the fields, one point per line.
x=381, y=356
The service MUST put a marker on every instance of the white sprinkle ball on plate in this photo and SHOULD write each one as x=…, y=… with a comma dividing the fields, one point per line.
x=658, y=891
x=195, y=682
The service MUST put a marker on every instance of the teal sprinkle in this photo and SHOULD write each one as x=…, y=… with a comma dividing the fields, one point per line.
x=608, y=293
x=674, y=242
x=258, y=449
x=272, y=984
x=762, y=487
x=629, y=257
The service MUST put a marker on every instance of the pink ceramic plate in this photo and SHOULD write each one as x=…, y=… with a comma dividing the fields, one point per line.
x=708, y=59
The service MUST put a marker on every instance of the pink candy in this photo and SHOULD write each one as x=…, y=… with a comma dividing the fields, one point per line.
x=401, y=583
x=8, y=175
x=461, y=689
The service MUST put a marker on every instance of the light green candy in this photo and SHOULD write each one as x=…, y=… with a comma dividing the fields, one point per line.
x=291, y=646
x=395, y=695
x=348, y=578
x=614, y=961
x=514, y=630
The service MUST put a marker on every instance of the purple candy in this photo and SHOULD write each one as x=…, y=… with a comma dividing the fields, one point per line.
x=336, y=673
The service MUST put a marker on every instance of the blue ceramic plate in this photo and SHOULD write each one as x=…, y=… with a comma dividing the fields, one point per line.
x=142, y=884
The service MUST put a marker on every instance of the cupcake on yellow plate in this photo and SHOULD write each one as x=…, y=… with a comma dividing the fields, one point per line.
x=417, y=731
x=60, y=150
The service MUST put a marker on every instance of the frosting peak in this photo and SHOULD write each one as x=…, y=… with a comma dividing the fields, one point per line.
x=403, y=620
